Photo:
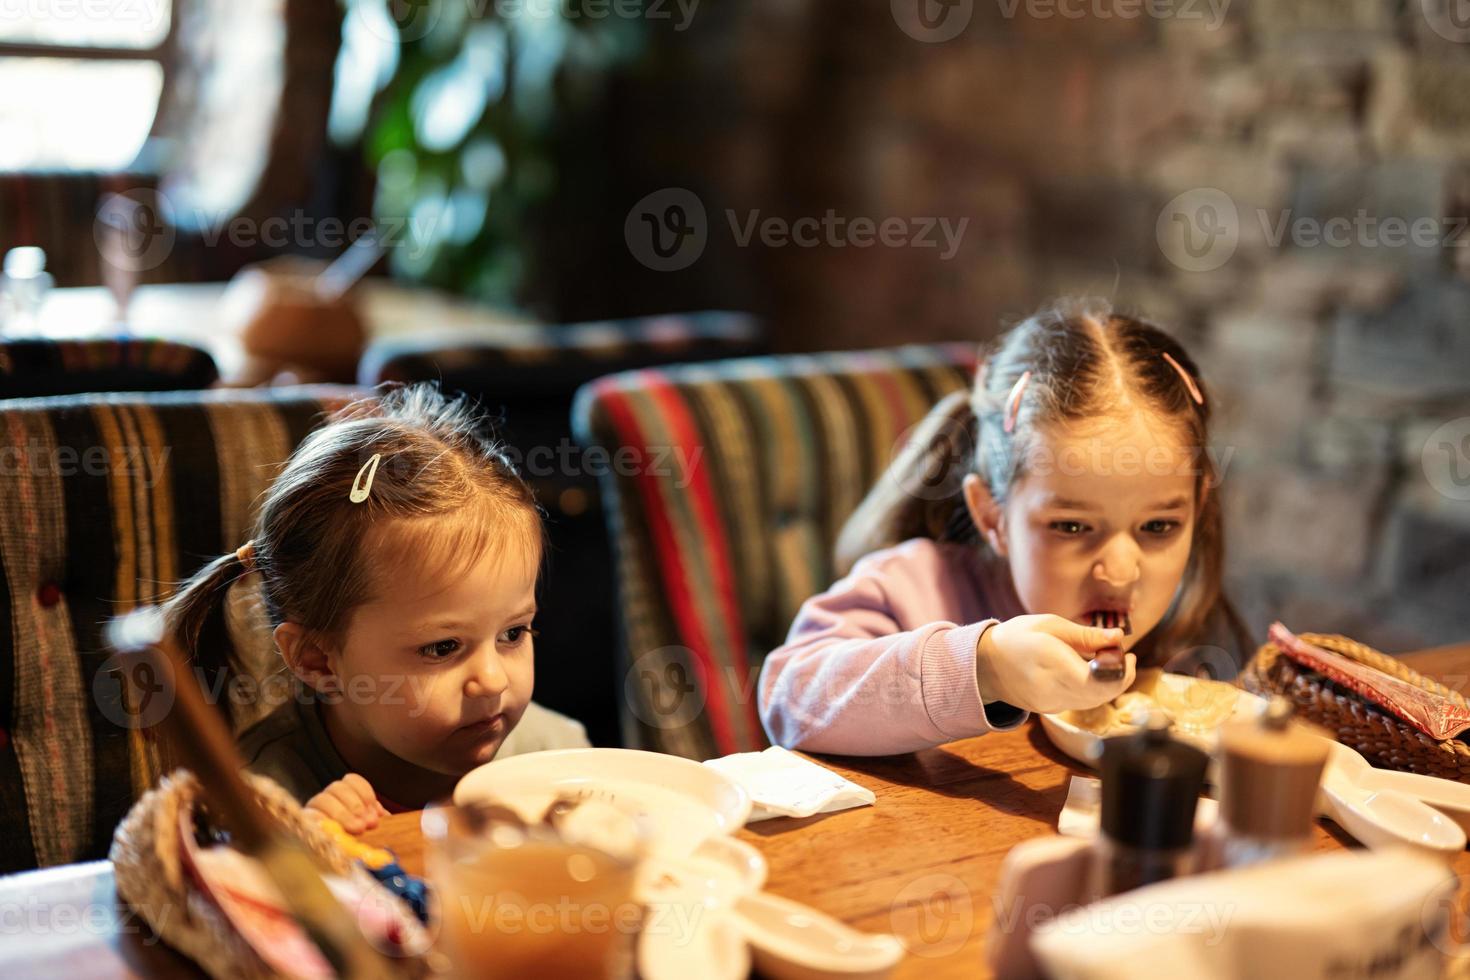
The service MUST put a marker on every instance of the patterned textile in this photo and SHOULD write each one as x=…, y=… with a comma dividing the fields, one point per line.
x=108, y=502
x=554, y=361
x=36, y=368
x=745, y=471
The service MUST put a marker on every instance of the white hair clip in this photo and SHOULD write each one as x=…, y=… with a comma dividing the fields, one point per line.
x=360, y=487
x=1013, y=403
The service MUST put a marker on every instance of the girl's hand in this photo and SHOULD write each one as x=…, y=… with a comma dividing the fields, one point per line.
x=1039, y=663
x=351, y=802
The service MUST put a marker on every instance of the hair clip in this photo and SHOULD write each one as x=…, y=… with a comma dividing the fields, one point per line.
x=1013, y=403
x=1194, y=392
x=245, y=555
x=360, y=493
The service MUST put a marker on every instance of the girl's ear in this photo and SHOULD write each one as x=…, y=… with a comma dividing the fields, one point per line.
x=985, y=512
x=307, y=658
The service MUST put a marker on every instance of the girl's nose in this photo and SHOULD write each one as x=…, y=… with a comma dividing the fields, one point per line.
x=1119, y=566
x=487, y=677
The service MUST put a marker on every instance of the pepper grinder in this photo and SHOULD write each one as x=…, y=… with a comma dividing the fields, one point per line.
x=1151, y=783
x=1270, y=772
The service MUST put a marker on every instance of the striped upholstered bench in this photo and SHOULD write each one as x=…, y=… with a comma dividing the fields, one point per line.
x=746, y=471
x=555, y=360
x=38, y=367
x=108, y=501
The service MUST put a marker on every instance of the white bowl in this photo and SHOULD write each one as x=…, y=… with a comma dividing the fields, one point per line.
x=1086, y=746
x=680, y=802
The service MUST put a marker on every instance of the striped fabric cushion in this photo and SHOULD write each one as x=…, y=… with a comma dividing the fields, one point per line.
x=552, y=361
x=39, y=367
x=745, y=472
x=108, y=502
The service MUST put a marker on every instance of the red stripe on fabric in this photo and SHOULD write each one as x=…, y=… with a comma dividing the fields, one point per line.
x=676, y=411
x=889, y=385
x=666, y=548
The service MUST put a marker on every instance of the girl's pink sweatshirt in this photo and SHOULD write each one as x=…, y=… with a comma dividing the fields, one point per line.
x=884, y=661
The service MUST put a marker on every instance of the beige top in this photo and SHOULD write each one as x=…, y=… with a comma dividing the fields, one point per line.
x=291, y=745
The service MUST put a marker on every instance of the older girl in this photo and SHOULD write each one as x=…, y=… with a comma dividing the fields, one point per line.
x=1086, y=497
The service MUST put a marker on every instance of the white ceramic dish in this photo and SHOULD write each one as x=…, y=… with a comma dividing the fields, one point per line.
x=792, y=941
x=688, y=929
x=682, y=803
x=1379, y=815
x=1378, y=807
x=1445, y=795
x=1086, y=746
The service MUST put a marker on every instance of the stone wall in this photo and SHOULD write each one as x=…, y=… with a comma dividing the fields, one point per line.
x=1284, y=183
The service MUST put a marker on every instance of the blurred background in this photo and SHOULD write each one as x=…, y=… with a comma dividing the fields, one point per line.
x=1285, y=184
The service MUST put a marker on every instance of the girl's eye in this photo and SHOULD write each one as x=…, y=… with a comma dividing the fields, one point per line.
x=1069, y=528
x=516, y=634
x=1161, y=527
x=439, y=649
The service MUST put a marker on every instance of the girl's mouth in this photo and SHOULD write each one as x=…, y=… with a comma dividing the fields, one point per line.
x=493, y=725
x=1111, y=618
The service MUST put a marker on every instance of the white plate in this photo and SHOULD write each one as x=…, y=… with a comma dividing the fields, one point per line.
x=682, y=802
x=1086, y=747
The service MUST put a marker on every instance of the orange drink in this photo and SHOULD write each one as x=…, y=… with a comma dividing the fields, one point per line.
x=518, y=900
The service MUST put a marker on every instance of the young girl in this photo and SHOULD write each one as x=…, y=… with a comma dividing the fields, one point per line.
x=398, y=553
x=1088, y=492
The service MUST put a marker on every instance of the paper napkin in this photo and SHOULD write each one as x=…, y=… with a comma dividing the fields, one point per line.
x=783, y=784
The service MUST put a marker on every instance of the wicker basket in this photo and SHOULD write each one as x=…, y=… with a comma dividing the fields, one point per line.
x=147, y=861
x=1384, y=739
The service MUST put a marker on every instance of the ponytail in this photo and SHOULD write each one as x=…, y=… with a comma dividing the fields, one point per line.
x=919, y=495
x=196, y=618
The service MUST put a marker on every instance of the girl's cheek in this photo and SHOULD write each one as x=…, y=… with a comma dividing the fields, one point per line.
x=429, y=698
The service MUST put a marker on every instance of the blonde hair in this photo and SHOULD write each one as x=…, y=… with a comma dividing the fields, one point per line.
x=437, y=460
x=1086, y=362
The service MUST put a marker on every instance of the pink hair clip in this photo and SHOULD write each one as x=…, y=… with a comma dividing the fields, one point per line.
x=1013, y=403
x=1194, y=392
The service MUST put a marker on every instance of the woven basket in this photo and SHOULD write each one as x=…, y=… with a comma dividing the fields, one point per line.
x=1384, y=739
x=151, y=878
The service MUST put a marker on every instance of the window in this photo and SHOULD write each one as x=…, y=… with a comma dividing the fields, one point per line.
x=81, y=81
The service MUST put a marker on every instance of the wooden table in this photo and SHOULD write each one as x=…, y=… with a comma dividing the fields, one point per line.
x=192, y=313
x=922, y=863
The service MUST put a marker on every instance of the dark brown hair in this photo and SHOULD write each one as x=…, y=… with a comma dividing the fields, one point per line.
x=1086, y=362
x=437, y=458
